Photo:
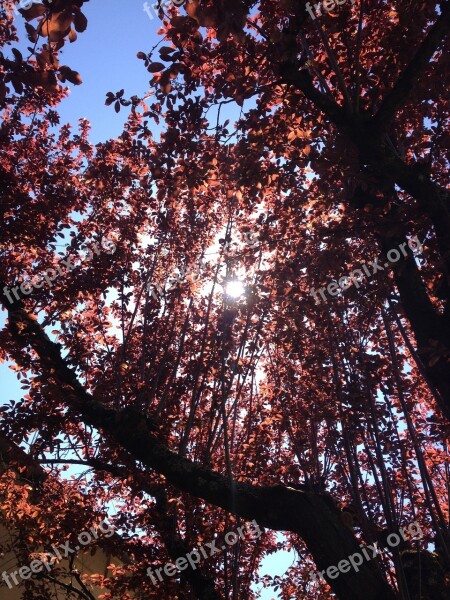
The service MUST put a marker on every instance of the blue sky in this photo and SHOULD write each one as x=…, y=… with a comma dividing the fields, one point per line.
x=105, y=56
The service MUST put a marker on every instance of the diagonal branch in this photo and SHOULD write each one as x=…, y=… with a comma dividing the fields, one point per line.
x=303, y=81
x=414, y=71
x=313, y=516
x=335, y=66
x=202, y=585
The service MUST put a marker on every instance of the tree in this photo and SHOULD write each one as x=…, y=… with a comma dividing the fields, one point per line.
x=324, y=417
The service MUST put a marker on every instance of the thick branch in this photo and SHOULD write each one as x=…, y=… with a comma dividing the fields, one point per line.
x=433, y=200
x=389, y=168
x=203, y=586
x=314, y=517
x=414, y=71
x=303, y=81
x=11, y=453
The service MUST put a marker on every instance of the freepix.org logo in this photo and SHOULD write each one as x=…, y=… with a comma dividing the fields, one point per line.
x=153, y=9
x=328, y=5
x=192, y=559
x=412, y=532
x=357, y=275
x=60, y=552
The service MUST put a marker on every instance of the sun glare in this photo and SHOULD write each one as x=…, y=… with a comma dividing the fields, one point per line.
x=235, y=289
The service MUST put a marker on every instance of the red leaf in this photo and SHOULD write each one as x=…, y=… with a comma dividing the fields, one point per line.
x=155, y=67
x=80, y=22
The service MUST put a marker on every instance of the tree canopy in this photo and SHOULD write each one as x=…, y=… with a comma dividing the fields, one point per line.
x=177, y=353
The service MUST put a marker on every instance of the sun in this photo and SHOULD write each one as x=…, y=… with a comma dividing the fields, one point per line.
x=234, y=288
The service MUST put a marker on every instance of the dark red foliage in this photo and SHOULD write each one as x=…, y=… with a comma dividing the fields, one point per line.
x=192, y=411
